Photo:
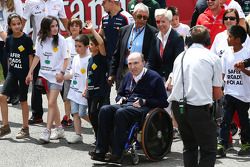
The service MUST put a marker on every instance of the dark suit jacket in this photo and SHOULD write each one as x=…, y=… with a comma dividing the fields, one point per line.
x=118, y=58
x=173, y=47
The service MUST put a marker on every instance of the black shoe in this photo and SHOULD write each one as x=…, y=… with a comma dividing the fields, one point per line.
x=35, y=120
x=98, y=156
x=115, y=159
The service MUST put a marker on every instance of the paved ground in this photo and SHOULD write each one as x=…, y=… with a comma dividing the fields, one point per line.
x=31, y=153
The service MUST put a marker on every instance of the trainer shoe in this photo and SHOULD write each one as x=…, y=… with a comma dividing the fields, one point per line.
x=76, y=138
x=45, y=136
x=221, y=151
x=4, y=130
x=35, y=120
x=24, y=133
x=57, y=133
x=245, y=150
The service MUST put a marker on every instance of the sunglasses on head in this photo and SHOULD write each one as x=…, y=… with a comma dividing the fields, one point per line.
x=230, y=18
x=139, y=17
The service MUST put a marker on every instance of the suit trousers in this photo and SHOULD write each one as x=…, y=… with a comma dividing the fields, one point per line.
x=197, y=130
x=114, y=124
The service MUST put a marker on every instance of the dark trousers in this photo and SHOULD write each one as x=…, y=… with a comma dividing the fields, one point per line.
x=231, y=104
x=36, y=96
x=197, y=129
x=114, y=123
x=3, y=59
x=94, y=106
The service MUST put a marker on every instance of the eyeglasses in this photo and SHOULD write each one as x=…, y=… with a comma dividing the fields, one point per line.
x=230, y=18
x=159, y=21
x=139, y=17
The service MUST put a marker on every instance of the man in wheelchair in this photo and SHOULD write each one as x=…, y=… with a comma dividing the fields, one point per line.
x=141, y=90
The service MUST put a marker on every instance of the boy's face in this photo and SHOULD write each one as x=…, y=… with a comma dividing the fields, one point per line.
x=175, y=22
x=231, y=40
x=75, y=29
x=80, y=48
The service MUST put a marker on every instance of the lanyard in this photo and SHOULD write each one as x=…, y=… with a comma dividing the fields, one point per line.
x=133, y=39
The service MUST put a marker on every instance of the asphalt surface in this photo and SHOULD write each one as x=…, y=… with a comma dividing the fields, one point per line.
x=31, y=153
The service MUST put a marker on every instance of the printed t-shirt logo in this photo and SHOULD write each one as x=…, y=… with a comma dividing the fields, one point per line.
x=21, y=48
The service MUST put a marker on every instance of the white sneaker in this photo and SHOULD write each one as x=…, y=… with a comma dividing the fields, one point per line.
x=75, y=138
x=45, y=136
x=57, y=133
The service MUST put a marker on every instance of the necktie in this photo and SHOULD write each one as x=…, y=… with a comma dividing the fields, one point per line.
x=161, y=49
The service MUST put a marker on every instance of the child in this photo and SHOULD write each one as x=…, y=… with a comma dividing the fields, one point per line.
x=77, y=88
x=51, y=51
x=236, y=91
x=75, y=28
x=97, y=76
x=19, y=48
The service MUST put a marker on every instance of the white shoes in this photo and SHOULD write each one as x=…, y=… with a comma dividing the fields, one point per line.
x=45, y=136
x=57, y=133
x=75, y=138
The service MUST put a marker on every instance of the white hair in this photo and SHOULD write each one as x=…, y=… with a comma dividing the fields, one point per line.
x=164, y=12
x=141, y=6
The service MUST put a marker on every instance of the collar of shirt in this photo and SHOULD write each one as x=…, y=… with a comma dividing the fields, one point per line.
x=197, y=45
x=165, y=37
x=137, y=30
x=138, y=77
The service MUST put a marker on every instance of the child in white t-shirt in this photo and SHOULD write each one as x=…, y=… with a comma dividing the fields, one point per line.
x=236, y=91
x=77, y=90
x=51, y=51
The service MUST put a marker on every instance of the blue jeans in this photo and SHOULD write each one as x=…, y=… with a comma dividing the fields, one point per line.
x=232, y=104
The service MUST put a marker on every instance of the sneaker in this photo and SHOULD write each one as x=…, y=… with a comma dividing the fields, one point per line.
x=221, y=151
x=35, y=120
x=66, y=122
x=245, y=150
x=45, y=136
x=57, y=133
x=24, y=133
x=70, y=123
x=75, y=139
x=4, y=130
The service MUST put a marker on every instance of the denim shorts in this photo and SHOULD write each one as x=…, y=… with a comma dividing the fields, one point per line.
x=53, y=86
x=78, y=108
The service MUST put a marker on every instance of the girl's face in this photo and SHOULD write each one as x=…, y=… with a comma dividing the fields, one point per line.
x=54, y=28
x=92, y=47
x=230, y=20
x=74, y=29
x=80, y=48
x=16, y=25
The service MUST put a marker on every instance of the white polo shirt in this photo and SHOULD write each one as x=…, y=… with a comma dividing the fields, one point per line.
x=51, y=58
x=220, y=44
x=4, y=13
x=235, y=5
x=183, y=29
x=36, y=10
x=202, y=71
x=236, y=82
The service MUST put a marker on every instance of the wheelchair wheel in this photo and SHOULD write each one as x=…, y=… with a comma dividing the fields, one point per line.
x=157, y=134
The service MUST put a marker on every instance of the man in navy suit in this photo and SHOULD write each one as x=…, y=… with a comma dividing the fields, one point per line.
x=135, y=37
x=169, y=44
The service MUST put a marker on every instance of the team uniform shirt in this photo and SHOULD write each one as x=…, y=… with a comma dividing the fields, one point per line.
x=236, y=82
x=111, y=27
x=72, y=52
x=78, y=83
x=97, y=76
x=220, y=44
x=51, y=58
x=182, y=29
x=202, y=70
x=232, y=4
x=4, y=13
x=36, y=10
x=18, y=51
x=214, y=24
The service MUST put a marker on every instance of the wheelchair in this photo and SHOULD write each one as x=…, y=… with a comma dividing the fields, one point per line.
x=154, y=136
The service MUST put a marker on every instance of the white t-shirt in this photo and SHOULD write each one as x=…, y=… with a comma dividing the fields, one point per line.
x=236, y=82
x=220, y=44
x=4, y=13
x=202, y=71
x=78, y=82
x=36, y=10
x=1, y=28
x=235, y=5
x=72, y=52
x=51, y=59
x=183, y=29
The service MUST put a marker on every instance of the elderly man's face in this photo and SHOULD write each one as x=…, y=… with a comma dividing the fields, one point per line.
x=141, y=18
x=213, y=4
x=135, y=64
x=162, y=23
